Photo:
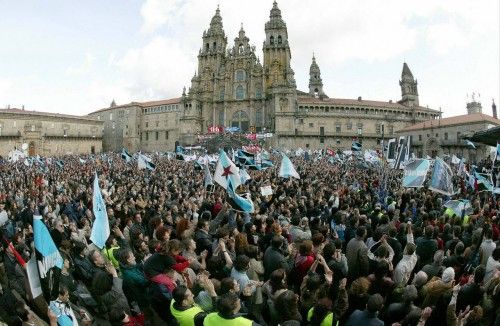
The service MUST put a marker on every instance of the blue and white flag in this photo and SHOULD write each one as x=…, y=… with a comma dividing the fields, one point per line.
x=356, y=146
x=62, y=318
x=225, y=170
x=415, y=173
x=179, y=150
x=60, y=163
x=82, y=161
x=242, y=203
x=459, y=207
x=495, y=171
x=126, y=156
x=100, y=229
x=49, y=260
x=208, y=180
x=287, y=169
x=470, y=144
x=483, y=182
x=144, y=162
x=244, y=176
x=441, y=180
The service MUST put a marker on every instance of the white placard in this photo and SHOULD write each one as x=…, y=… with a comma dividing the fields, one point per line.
x=266, y=191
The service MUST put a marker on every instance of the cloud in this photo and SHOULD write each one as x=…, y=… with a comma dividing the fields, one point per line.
x=5, y=87
x=157, y=70
x=156, y=13
x=84, y=67
x=445, y=37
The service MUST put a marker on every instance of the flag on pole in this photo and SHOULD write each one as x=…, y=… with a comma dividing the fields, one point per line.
x=242, y=203
x=144, y=162
x=455, y=159
x=208, y=176
x=16, y=254
x=470, y=144
x=287, y=169
x=391, y=149
x=225, y=170
x=126, y=156
x=459, y=207
x=50, y=261
x=441, y=180
x=495, y=171
x=356, y=146
x=100, y=229
x=244, y=176
x=483, y=182
x=415, y=173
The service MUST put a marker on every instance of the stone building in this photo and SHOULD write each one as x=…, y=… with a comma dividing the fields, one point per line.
x=48, y=134
x=231, y=87
x=147, y=126
x=446, y=135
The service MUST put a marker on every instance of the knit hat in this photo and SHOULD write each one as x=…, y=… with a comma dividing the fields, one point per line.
x=448, y=275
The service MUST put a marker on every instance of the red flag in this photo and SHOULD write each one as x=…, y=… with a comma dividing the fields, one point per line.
x=19, y=259
x=330, y=152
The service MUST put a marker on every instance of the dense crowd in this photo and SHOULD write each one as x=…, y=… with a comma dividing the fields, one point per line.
x=344, y=245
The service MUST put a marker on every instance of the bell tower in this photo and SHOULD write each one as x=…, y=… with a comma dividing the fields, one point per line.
x=315, y=82
x=409, y=90
x=277, y=52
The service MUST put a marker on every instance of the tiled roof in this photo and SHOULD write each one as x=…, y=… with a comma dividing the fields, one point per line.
x=46, y=114
x=361, y=102
x=175, y=100
x=452, y=121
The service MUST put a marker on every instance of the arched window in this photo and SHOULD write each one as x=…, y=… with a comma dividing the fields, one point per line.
x=207, y=47
x=241, y=49
x=240, y=93
x=258, y=92
x=240, y=120
x=215, y=46
x=221, y=94
x=271, y=40
x=279, y=39
x=240, y=75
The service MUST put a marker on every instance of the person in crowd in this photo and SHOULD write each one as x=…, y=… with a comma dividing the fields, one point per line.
x=342, y=245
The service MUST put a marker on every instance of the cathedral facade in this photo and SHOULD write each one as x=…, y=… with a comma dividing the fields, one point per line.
x=233, y=88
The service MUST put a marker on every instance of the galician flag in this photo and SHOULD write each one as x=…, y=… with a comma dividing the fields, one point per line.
x=287, y=169
x=100, y=229
x=226, y=169
x=50, y=261
x=242, y=203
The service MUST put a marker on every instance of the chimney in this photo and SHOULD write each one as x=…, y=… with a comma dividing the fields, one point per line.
x=22, y=108
x=359, y=98
x=494, y=109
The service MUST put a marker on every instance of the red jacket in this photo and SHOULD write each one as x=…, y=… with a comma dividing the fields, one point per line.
x=181, y=265
x=135, y=320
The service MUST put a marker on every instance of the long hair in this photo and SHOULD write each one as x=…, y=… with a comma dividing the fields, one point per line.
x=286, y=304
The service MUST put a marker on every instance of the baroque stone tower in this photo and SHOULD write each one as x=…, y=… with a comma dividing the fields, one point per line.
x=280, y=86
x=315, y=82
x=409, y=91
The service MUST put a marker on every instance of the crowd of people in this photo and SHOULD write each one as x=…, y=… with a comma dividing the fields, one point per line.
x=343, y=245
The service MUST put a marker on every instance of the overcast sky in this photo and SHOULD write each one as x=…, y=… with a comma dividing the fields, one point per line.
x=75, y=57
